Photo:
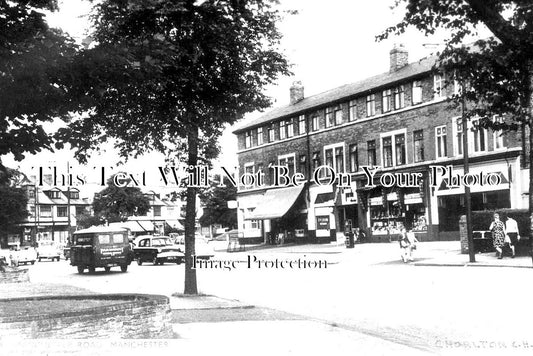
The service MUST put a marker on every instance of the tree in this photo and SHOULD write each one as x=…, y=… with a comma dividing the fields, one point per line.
x=33, y=82
x=168, y=75
x=118, y=203
x=498, y=70
x=215, y=204
x=13, y=200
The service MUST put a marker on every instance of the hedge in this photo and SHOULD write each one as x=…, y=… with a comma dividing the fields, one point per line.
x=481, y=219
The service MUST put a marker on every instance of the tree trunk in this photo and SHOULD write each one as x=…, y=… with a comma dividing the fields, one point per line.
x=190, y=217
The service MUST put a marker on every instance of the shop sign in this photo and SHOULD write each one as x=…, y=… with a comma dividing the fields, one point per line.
x=376, y=201
x=322, y=222
x=414, y=198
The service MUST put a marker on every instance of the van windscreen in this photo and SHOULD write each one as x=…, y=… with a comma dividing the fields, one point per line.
x=83, y=240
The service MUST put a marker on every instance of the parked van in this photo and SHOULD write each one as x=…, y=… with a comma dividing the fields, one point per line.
x=100, y=247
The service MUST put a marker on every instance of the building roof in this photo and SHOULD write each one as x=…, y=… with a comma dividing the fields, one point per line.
x=348, y=90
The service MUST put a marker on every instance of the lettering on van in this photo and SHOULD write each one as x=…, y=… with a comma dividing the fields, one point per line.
x=111, y=251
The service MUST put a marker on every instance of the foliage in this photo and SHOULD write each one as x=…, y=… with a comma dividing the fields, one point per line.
x=481, y=219
x=215, y=205
x=33, y=82
x=13, y=200
x=118, y=203
x=496, y=70
x=86, y=220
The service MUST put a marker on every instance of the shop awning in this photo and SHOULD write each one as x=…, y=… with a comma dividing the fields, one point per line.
x=275, y=203
x=324, y=198
x=175, y=224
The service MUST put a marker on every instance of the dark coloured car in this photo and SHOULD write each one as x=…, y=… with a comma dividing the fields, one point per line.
x=157, y=250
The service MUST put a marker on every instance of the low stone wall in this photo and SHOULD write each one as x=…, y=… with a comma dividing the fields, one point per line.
x=14, y=275
x=133, y=316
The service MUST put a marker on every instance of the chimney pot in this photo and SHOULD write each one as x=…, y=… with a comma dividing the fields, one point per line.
x=297, y=92
x=398, y=57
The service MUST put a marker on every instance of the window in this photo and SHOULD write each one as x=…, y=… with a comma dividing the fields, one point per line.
x=315, y=123
x=371, y=152
x=271, y=135
x=440, y=137
x=438, y=85
x=339, y=159
x=418, y=145
x=330, y=118
x=459, y=136
x=290, y=128
x=157, y=211
x=288, y=161
x=371, y=105
x=248, y=139
x=386, y=100
x=301, y=125
x=282, y=130
x=399, y=141
x=104, y=239
x=31, y=193
x=271, y=172
x=387, y=151
x=74, y=195
x=45, y=211
x=259, y=136
x=62, y=212
x=329, y=158
x=249, y=170
x=338, y=116
x=354, y=164
x=480, y=137
x=53, y=194
x=417, y=92
x=118, y=238
x=399, y=97
x=316, y=161
x=260, y=168
x=334, y=157
x=498, y=134
x=352, y=111
x=303, y=165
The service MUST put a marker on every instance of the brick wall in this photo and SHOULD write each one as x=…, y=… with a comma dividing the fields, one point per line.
x=132, y=316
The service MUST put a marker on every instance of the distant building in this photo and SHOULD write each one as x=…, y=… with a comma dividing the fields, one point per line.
x=401, y=121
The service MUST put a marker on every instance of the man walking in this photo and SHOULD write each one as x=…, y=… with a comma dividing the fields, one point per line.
x=511, y=227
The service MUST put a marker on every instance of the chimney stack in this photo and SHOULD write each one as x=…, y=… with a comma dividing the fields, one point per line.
x=297, y=92
x=398, y=58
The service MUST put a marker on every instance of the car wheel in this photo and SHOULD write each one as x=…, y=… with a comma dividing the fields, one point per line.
x=107, y=269
x=81, y=269
x=124, y=268
x=32, y=262
x=91, y=270
x=40, y=259
x=155, y=261
x=139, y=261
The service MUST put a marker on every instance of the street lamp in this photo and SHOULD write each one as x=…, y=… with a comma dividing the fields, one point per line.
x=468, y=205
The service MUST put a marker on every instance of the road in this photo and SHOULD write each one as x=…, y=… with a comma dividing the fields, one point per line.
x=366, y=289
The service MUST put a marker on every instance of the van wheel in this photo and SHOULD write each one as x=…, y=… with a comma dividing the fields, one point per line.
x=139, y=261
x=107, y=269
x=124, y=268
x=80, y=269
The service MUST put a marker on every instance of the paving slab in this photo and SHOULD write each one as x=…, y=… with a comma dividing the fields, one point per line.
x=188, y=302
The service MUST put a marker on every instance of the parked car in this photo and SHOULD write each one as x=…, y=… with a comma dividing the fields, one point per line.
x=48, y=250
x=225, y=236
x=17, y=255
x=27, y=254
x=156, y=249
x=202, y=250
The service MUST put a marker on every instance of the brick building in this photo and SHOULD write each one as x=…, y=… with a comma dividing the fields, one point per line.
x=401, y=121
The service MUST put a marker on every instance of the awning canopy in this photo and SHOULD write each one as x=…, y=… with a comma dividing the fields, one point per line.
x=275, y=203
x=175, y=224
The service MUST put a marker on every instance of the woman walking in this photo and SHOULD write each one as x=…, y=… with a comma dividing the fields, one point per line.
x=498, y=235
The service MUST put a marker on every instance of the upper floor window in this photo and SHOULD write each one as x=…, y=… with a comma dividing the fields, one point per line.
x=458, y=136
x=399, y=141
x=354, y=164
x=480, y=136
x=418, y=145
x=249, y=169
x=386, y=100
x=338, y=116
x=440, y=142
x=271, y=133
x=248, y=139
x=53, y=194
x=352, y=110
x=288, y=161
x=290, y=128
x=334, y=157
x=315, y=122
x=45, y=211
x=387, y=151
x=371, y=105
x=498, y=134
x=416, y=95
x=371, y=152
x=303, y=165
x=393, y=148
x=315, y=162
x=259, y=136
x=301, y=125
x=260, y=168
x=282, y=130
x=74, y=195
x=31, y=193
x=157, y=211
x=62, y=211
x=330, y=117
x=399, y=97
x=438, y=85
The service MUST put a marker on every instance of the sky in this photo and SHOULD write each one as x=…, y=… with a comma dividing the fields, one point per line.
x=328, y=43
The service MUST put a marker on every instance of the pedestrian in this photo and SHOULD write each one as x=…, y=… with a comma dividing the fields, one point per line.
x=408, y=243
x=498, y=235
x=511, y=227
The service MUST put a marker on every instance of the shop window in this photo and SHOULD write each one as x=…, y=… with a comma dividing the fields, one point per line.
x=418, y=145
x=330, y=117
x=438, y=86
x=399, y=141
x=417, y=92
x=301, y=125
x=315, y=121
x=62, y=211
x=386, y=101
x=399, y=97
x=387, y=151
x=259, y=136
x=352, y=111
x=440, y=138
x=371, y=152
x=282, y=132
x=354, y=164
x=371, y=105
